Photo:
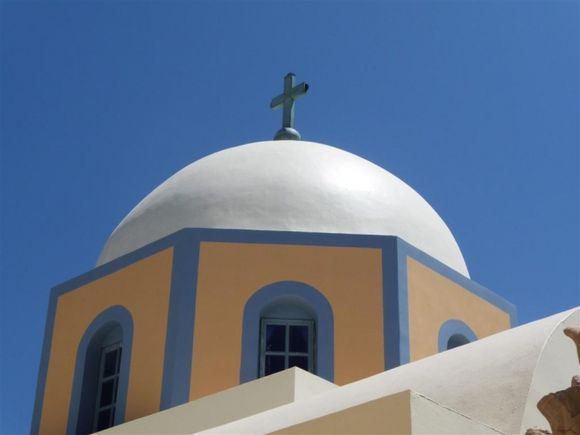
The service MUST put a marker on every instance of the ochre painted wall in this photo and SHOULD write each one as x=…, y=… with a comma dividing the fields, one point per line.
x=229, y=273
x=143, y=289
x=434, y=299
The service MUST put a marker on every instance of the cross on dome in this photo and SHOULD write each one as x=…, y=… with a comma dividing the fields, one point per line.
x=286, y=100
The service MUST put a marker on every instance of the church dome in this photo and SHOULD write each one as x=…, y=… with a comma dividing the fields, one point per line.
x=286, y=185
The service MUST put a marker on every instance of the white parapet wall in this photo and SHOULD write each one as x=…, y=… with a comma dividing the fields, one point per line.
x=229, y=405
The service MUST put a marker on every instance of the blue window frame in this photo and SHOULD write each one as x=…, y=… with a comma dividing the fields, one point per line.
x=287, y=301
x=110, y=332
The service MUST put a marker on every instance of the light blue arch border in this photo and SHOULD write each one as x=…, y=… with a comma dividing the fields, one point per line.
x=251, y=326
x=115, y=314
x=452, y=327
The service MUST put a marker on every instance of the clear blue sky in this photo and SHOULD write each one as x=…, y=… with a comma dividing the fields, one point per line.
x=474, y=104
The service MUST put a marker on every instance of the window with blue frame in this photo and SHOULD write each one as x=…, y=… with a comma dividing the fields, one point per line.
x=107, y=386
x=101, y=375
x=286, y=343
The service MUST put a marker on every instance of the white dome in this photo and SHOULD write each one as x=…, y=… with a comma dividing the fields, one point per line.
x=287, y=186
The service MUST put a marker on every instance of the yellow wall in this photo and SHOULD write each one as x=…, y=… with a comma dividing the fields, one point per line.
x=142, y=288
x=229, y=273
x=434, y=299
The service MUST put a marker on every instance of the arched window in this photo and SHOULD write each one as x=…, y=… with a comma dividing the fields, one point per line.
x=454, y=333
x=287, y=336
x=457, y=340
x=287, y=324
x=101, y=374
x=111, y=351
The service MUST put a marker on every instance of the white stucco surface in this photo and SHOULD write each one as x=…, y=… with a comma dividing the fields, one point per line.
x=496, y=381
x=429, y=418
x=229, y=405
x=553, y=372
x=287, y=186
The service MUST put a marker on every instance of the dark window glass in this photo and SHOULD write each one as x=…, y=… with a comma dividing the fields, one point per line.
x=456, y=340
x=110, y=364
x=275, y=338
x=104, y=419
x=274, y=364
x=298, y=361
x=107, y=389
x=299, y=338
x=286, y=343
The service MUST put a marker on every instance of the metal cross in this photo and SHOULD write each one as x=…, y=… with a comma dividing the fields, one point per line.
x=286, y=100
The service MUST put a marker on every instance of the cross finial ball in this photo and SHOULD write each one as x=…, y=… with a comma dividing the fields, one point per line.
x=286, y=101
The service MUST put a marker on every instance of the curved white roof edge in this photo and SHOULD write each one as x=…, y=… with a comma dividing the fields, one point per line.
x=553, y=371
x=286, y=186
x=496, y=380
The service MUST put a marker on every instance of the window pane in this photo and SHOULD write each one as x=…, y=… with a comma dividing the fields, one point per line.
x=276, y=338
x=110, y=363
x=299, y=338
x=107, y=390
x=298, y=361
x=456, y=340
x=274, y=363
x=104, y=419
